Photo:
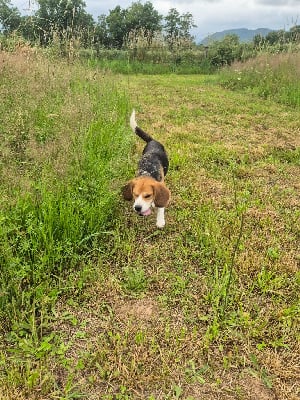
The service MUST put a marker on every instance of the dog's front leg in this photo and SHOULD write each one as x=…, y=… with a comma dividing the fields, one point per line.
x=160, y=219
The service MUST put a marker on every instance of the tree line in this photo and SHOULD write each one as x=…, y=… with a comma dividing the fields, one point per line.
x=136, y=33
x=68, y=19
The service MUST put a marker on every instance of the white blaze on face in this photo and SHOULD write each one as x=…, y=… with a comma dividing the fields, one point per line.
x=142, y=206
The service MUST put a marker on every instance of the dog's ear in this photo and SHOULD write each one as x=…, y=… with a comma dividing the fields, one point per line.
x=161, y=195
x=127, y=191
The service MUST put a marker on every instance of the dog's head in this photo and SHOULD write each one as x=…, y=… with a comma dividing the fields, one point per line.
x=146, y=192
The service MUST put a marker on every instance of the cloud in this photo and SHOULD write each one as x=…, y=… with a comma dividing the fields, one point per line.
x=212, y=16
x=280, y=3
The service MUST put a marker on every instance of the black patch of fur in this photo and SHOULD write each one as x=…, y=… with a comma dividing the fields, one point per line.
x=154, y=158
x=143, y=135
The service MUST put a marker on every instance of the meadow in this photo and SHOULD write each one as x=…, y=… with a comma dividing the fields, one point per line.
x=95, y=302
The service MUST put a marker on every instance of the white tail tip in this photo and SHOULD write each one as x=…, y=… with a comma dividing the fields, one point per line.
x=133, y=123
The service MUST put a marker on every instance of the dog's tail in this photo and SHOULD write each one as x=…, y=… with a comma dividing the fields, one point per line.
x=143, y=135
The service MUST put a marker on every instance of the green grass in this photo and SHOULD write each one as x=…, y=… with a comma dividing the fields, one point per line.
x=59, y=210
x=130, y=67
x=270, y=76
x=206, y=308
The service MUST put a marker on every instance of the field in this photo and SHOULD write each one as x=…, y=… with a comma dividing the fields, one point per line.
x=96, y=302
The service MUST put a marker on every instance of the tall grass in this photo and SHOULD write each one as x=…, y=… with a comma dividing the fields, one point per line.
x=274, y=76
x=128, y=67
x=123, y=64
x=57, y=204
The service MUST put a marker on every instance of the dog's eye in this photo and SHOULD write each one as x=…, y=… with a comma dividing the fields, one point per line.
x=147, y=196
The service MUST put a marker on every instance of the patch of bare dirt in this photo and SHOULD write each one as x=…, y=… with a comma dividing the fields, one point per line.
x=143, y=310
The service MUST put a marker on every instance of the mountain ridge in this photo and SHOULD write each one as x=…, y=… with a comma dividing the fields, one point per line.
x=244, y=34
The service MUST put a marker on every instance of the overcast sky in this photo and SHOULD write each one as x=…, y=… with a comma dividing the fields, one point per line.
x=211, y=16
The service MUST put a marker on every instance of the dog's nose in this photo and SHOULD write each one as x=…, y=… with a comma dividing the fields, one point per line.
x=138, y=208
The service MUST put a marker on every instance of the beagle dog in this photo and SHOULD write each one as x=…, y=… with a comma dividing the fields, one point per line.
x=148, y=189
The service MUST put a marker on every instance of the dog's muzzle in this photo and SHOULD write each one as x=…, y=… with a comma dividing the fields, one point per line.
x=138, y=209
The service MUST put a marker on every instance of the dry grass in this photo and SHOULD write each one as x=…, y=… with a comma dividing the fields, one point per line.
x=274, y=61
x=35, y=133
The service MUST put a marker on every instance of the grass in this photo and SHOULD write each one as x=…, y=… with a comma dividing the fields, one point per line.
x=57, y=195
x=208, y=307
x=270, y=76
x=126, y=66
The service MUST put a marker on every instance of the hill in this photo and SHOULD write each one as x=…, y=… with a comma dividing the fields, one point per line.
x=245, y=35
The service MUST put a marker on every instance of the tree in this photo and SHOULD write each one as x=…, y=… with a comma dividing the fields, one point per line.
x=10, y=17
x=186, y=24
x=225, y=51
x=172, y=25
x=101, y=34
x=177, y=27
x=259, y=41
x=275, y=37
x=65, y=18
x=294, y=34
x=143, y=17
x=116, y=27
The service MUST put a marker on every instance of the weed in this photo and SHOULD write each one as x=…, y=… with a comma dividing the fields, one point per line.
x=135, y=280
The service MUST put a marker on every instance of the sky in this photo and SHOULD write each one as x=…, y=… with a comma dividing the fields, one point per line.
x=210, y=16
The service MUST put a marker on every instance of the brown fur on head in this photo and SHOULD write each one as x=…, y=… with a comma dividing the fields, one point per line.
x=148, y=190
